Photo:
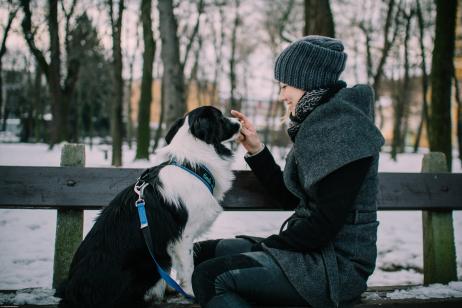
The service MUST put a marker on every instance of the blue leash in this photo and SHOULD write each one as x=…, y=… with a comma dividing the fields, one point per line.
x=139, y=189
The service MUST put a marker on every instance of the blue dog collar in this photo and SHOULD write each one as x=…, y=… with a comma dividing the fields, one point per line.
x=201, y=172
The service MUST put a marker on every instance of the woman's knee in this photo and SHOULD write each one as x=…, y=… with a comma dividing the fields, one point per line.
x=204, y=251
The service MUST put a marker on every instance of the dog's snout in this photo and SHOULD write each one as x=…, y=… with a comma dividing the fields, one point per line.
x=235, y=121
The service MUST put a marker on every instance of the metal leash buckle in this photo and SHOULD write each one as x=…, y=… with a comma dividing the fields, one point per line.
x=139, y=188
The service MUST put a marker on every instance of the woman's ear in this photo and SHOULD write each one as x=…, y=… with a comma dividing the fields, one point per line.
x=173, y=130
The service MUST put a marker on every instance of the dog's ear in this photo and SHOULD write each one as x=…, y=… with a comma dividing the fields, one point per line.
x=174, y=129
x=206, y=130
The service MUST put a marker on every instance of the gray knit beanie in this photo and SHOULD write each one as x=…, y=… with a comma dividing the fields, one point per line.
x=311, y=62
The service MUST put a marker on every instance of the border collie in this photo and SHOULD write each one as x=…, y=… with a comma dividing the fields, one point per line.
x=112, y=266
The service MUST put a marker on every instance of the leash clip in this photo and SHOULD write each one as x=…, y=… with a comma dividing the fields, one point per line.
x=139, y=189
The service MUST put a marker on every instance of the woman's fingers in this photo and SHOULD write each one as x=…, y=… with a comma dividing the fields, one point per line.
x=237, y=114
x=248, y=137
x=243, y=119
x=245, y=131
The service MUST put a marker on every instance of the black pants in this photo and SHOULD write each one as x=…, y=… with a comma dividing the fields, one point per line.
x=228, y=274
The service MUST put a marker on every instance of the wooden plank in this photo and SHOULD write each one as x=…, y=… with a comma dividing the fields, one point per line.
x=93, y=188
x=439, y=251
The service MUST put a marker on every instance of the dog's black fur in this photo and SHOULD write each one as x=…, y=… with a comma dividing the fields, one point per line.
x=112, y=266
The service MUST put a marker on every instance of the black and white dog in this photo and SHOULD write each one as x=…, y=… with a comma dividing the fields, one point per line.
x=112, y=266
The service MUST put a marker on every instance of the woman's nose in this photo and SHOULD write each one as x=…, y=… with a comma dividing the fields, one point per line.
x=281, y=95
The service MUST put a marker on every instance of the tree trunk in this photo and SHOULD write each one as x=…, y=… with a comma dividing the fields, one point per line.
x=58, y=95
x=144, y=110
x=161, y=118
x=218, y=41
x=387, y=44
x=402, y=100
x=442, y=66
x=1, y=94
x=174, y=96
x=459, y=129
x=118, y=86
x=129, y=126
x=234, y=103
x=459, y=114
x=37, y=99
x=59, y=103
x=318, y=18
x=11, y=16
x=424, y=113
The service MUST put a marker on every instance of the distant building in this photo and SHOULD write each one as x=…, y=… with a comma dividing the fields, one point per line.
x=458, y=47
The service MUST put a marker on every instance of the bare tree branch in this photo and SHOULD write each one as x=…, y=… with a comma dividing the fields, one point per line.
x=387, y=42
x=11, y=17
x=29, y=36
x=283, y=21
x=200, y=10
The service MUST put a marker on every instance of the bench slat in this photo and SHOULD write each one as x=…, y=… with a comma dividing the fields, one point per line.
x=93, y=188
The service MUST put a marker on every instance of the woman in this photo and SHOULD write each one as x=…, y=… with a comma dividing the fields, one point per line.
x=325, y=252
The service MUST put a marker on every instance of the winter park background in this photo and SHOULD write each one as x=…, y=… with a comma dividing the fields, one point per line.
x=226, y=50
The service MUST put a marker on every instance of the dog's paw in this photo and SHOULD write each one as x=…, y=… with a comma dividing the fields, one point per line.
x=187, y=287
x=170, y=291
x=156, y=293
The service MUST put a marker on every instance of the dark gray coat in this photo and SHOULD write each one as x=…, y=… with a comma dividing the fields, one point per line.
x=333, y=135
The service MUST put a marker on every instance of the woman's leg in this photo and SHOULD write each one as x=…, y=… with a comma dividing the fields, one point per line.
x=206, y=250
x=235, y=278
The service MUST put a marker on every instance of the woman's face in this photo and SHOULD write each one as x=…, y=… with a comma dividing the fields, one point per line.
x=290, y=96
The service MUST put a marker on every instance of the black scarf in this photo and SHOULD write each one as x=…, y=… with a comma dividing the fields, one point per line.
x=308, y=102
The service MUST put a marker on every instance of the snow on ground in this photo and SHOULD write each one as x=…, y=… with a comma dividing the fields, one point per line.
x=27, y=236
x=453, y=289
x=36, y=296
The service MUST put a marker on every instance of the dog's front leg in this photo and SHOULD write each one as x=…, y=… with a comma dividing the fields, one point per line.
x=183, y=252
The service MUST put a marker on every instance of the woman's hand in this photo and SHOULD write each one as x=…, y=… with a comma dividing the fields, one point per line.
x=248, y=138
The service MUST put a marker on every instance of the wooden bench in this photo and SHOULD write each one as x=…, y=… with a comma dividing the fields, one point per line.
x=71, y=189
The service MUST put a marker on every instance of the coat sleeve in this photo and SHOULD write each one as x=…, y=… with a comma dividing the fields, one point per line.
x=270, y=176
x=333, y=200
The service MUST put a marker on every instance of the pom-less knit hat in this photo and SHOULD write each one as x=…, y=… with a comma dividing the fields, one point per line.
x=311, y=62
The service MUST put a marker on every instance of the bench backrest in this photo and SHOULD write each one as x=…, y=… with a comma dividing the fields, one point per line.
x=93, y=188
x=71, y=188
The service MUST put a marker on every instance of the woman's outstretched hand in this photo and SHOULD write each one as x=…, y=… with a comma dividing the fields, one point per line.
x=248, y=138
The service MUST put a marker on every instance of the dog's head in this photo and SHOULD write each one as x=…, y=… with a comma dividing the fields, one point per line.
x=209, y=125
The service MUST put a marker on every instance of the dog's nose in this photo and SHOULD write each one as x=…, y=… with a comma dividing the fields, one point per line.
x=235, y=121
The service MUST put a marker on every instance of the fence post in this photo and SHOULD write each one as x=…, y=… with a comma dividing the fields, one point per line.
x=69, y=223
x=439, y=253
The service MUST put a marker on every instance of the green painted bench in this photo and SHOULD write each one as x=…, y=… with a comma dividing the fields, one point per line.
x=71, y=189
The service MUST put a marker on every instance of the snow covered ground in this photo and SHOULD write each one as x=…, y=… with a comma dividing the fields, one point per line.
x=27, y=236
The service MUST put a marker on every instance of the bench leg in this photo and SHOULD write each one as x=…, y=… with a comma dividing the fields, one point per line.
x=69, y=231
